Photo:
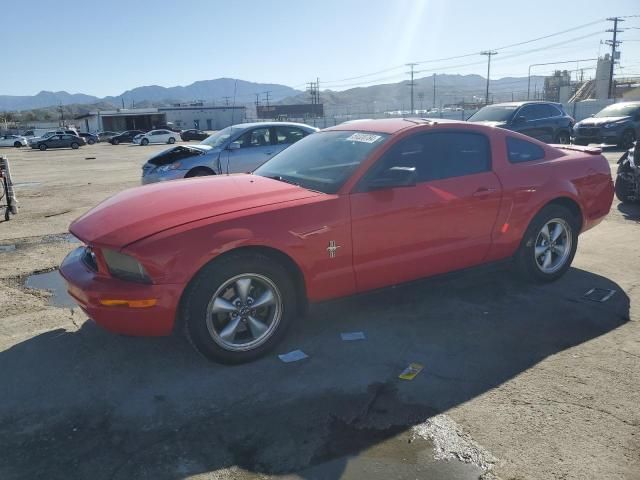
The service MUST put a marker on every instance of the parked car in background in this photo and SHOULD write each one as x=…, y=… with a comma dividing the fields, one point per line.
x=193, y=134
x=545, y=121
x=58, y=140
x=50, y=133
x=617, y=124
x=106, y=135
x=35, y=132
x=236, y=149
x=124, y=137
x=13, y=141
x=156, y=136
x=235, y=259
x=90, y=138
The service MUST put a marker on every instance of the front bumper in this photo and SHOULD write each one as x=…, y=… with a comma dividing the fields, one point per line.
x=87, y=287
x=154, y=177
x=597, y=135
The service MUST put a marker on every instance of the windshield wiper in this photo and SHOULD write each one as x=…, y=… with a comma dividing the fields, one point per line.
x=282, y=179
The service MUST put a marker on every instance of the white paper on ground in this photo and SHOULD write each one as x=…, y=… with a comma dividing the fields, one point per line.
x=351, y=336
x=293, y=356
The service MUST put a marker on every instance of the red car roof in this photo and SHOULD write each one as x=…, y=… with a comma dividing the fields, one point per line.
x=390, y=125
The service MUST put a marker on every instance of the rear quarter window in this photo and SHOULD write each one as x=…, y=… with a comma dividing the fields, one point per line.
x=520, y=151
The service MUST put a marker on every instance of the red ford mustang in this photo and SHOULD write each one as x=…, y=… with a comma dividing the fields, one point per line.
x=360, y=206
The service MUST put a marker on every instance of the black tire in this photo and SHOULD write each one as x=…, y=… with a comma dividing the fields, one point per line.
x=208, y=282
x=199, y=172
x=525, y=259
x=115, y=141
x=17, y=144
x=584, y=143
x=627, y=139
x=563, y=138
x=171, y=140
x=624, y=190
x=7, y=214
x=75, y=145
x=144, y=141
x=91, y=141
x=42, y=147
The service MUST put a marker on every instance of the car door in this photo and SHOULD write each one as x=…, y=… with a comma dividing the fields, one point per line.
x=442, y=223
x=6, y=141
x=55, y=141
x=535, y=124
x=255, y=149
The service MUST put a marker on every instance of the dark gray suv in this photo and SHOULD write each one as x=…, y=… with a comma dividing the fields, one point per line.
x=546, y=121
x=617, y=124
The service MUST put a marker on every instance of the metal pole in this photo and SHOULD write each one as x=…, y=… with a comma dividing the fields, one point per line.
x=412, y=83
x=529, y=82
x=489, y=54
x=434, y=91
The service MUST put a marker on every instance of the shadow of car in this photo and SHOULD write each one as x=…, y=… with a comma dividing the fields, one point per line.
x=115, y=406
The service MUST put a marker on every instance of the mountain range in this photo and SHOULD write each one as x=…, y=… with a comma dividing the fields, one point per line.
x=205, y=90
x=375, y=98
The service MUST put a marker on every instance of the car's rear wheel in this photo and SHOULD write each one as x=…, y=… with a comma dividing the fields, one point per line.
x=144, y=141
x=17, y=144
x=239, y=307
x=42, y=147
x=625, y=188
x=91, y=141
x=115, y=141
x=627, y=139
x=172, y=140
x=199, y=172
x=549, y=244
x=75, y=145
x=563, y=138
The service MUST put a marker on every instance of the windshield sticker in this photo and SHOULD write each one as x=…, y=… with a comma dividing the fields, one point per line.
x=364, y=137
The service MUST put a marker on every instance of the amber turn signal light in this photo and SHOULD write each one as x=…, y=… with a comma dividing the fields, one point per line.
x=150, y=302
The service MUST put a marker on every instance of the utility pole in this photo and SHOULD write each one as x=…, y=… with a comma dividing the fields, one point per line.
x=421, y=98
x=267, y=97
x=411, y=83
x=257, y=103
x=489, y=54
x=614, y=44
x=434, y=91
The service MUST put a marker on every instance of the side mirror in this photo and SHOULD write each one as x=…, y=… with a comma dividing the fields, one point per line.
x=233, y=146
x=393, y=178
x=519, y=120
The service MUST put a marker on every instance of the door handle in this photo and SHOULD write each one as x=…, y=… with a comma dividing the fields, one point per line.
x=483, y=192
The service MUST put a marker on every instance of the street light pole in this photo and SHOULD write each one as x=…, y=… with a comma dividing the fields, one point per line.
x=489, y=54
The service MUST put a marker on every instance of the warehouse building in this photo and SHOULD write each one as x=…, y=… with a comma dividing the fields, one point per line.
x=203, y=117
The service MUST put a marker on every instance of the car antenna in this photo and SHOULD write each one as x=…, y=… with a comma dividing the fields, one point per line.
x=233, y=110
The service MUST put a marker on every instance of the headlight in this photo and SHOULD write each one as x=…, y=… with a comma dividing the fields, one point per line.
x=171, y=166
x=609, y=125
x=125, y=267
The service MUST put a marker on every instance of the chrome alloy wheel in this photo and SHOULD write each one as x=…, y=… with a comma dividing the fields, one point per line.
x=553, y=246
x=244, y=312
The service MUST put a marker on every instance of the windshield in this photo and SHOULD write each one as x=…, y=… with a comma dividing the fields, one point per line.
x=322, y=161
x=618, y=110
x=493, y=114
x=218, y=138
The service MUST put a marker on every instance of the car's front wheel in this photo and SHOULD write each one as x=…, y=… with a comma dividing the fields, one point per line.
x=239, y=307
x=144, y=141
x=91, y=141
x=75, y=145
x=42, y=147
x=17, y=144
x=115, y=141
x=172, y=140
x=549, y=244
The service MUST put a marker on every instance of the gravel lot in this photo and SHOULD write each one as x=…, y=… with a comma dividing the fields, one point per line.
x=520, y=381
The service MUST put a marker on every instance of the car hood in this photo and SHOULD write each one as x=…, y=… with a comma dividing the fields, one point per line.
x=137, y=213
x=176, y=153
x=595, y=122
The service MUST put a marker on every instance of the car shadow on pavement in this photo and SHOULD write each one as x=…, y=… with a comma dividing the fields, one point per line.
x=88, y=404
x=630, y=211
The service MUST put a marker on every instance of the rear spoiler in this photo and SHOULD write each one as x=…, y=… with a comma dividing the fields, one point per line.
x=578, y=148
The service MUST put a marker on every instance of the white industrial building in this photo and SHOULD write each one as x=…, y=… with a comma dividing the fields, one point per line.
x=180, y=116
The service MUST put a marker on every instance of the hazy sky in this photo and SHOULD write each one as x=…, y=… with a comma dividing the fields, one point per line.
x=104, y=48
